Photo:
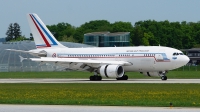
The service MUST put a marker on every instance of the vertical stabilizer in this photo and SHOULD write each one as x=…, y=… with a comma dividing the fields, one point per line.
x=42, y=36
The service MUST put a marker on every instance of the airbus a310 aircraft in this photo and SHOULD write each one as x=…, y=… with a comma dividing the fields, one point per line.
x=153, y=61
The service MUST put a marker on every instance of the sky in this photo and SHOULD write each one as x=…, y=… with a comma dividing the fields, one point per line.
x=78, y=12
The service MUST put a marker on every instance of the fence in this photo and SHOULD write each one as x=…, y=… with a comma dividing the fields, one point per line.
x=29, y=68
x=189, y=68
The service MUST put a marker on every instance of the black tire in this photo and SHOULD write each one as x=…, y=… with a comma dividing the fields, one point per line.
x=125, y=77
x=99, y=78
x=91, y=78
x=164, y=78
x=95, y=78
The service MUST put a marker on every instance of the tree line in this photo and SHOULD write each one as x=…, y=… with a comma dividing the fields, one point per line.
x=180, y=35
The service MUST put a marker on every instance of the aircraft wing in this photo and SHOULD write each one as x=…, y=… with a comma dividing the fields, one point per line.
x=77, y=60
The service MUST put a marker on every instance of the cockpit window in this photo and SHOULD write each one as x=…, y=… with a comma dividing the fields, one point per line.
x=177, y=54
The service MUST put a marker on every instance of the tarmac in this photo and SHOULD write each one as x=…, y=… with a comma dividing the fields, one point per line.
x=75, y=108
x=103, y=81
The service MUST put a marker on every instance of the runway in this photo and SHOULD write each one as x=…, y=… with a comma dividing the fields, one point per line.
x=74, y=108
x=103, y=81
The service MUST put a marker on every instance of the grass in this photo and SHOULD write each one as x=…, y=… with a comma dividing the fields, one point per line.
x=180, y=95
x=75, y=74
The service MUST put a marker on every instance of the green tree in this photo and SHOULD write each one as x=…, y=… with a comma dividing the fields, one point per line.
x=138, y=34
x=10, y=33
x=122, y=27
x=92, y=26
x=62, y=29
x=78, y=35
x=69, y=39
x=16, y=30
x=31, y=36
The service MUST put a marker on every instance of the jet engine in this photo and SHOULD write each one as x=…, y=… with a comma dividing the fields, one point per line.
x=151, y=74
x=114, y=71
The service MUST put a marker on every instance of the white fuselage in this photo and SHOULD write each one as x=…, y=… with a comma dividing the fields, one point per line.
x=142, y=58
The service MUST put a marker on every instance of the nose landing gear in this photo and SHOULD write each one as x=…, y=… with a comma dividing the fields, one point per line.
x=163, y=75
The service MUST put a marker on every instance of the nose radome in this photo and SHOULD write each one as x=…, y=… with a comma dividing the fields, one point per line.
x=186, y=59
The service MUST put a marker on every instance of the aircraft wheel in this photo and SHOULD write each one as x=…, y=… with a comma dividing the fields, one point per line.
x=125, y=77
x=91, y=78
x=164, y=78
x=95, y=78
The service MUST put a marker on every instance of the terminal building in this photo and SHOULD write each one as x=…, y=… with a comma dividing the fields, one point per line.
x=194, y=55
x=107, y=39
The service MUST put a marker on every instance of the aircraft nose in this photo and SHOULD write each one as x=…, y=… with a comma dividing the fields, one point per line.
x=181, y=61
x=185, y=60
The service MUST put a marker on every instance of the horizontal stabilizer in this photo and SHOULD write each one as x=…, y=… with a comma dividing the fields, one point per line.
x=17, y=50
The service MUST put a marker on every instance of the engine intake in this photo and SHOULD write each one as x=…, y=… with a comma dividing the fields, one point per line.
x=114, y=71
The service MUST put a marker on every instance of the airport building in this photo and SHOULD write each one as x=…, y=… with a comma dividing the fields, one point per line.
x=194, y=55
x=10, y=61
x=107, y=39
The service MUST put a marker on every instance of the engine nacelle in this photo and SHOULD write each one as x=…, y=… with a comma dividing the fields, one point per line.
x=151, y=74
x=114, y=71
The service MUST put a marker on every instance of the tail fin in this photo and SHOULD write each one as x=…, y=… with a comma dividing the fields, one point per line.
x=42, y=36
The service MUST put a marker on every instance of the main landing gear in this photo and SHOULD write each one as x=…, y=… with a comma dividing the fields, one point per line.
x=95, y=78
x=124, y=77
x=99, y=78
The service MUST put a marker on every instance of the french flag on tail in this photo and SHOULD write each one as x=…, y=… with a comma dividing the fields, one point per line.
x=42, y=36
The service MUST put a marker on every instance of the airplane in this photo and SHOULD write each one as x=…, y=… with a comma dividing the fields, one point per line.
x=110, y=62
